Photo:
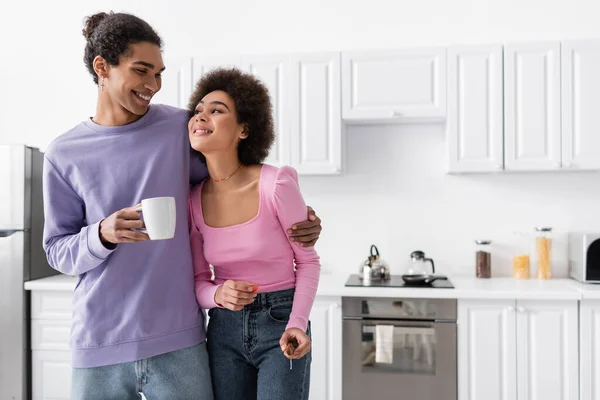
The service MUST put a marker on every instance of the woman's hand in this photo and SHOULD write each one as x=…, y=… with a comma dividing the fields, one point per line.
x=296, y=337
x=235, y=295
x=306, y=233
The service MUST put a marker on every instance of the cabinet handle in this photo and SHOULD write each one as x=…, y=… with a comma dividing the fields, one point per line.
x=396, y=114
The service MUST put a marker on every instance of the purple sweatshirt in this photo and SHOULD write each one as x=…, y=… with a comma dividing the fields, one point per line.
x=137, y=300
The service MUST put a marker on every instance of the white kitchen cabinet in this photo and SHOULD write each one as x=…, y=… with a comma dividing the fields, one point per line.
x=275, y=72
x=181, y=75
x=547, y=350
x=201, y=65
x=532, y=105
x=305, y=93
x=394, y=86
x=326, y=366
x=524, y=349
x=51, y=375
x=580, y=104
x=589, y=335
x=474, y=127
x=177, y=83
x=316, y=121
x=50, y=356
x=487, y=357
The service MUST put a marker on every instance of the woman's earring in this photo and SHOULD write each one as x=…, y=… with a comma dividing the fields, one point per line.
x=102, y=84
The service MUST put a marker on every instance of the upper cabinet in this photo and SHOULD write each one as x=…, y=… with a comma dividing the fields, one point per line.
x=316, y=131
x=275, y=72
x=550, y=100
x=177, y=83
x=394, y=86
x=532, y=106
x=305, y=94
x=517, y=107
x=475, y=112
x=580, y=104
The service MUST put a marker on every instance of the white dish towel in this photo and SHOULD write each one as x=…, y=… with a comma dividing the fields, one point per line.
x=384, y=344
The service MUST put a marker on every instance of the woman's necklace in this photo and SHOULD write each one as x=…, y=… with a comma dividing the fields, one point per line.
x=228, y=176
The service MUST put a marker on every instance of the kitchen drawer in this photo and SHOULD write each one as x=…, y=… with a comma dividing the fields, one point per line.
x=51, y=375
x=51, y=305
x=50, y=334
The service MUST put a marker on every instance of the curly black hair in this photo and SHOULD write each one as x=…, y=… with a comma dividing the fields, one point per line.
x=110, y=35
x=253, y=107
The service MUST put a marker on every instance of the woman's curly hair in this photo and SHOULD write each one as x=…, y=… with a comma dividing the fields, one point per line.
x=109, y=36
x=253, y=107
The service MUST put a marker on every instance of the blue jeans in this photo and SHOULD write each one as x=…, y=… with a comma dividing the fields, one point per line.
x=179, y=375
x=246, y=361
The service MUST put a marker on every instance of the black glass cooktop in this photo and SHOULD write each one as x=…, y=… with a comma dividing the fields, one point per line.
x=396, y=281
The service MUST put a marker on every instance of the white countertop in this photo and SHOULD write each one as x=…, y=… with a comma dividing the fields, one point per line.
x=464, y=288
x=53, y=283
x=589, y=291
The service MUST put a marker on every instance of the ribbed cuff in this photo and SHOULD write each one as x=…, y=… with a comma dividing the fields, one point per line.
x=205, y=294
x=95, y=246
x=297, y=322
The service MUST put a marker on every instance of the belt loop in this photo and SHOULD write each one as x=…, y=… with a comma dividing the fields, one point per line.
x=263, y=300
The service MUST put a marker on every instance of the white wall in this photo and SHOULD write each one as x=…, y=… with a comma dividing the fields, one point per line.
x=395, y=193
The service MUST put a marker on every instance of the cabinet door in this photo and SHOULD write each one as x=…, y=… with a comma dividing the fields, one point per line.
x=326, y=330
x=201, y=65
x=51, y=375
x=396, y=85
x=274, y=72
x=176, y=83
x=580, y=104
x=532, y=106
x=316, y=130
x=589, y=334
x=547, y=348
x=486, y=350
x=475, y=128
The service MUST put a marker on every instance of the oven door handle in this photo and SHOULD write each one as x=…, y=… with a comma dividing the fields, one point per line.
x=402, y=320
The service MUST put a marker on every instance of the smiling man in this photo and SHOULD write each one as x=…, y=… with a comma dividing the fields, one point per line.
x=136, y=324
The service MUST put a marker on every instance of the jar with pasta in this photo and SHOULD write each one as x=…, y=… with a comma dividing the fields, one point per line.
x=522, y=247
x=543, y=252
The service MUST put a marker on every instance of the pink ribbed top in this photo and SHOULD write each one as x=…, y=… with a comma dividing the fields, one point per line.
x=258, y=250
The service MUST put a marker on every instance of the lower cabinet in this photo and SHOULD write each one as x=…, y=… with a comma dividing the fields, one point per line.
x=51, y=375
x=326, y=331
x=589, y=336
x=51, y=358
x=50, y=355
x=523, y=349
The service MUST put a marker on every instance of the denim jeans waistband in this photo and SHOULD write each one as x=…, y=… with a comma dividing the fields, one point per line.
x=268, y=299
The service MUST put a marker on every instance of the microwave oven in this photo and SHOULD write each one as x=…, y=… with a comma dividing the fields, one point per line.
x=584, y=257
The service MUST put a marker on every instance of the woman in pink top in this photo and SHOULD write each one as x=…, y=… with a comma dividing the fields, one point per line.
x=264, y=285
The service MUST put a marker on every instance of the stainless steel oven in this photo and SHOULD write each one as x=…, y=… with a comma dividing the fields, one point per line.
x=399, y=349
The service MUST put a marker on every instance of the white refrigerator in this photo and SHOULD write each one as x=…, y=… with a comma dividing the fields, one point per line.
x=22, y=258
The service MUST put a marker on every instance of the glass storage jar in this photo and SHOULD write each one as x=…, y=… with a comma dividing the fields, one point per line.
x=521, y=258
x=543, y=252
x=483, y=259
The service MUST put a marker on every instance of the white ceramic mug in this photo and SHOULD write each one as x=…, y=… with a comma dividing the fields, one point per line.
x=159, y=217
